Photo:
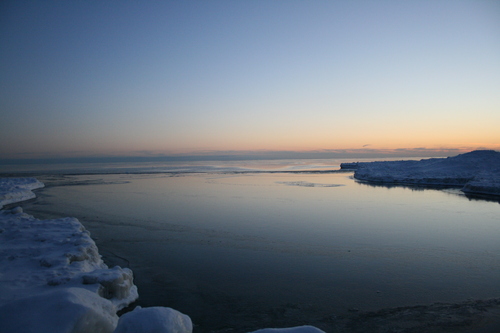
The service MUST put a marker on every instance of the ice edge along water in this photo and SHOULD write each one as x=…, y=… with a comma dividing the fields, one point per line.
x=476, y=172
x=52, y=278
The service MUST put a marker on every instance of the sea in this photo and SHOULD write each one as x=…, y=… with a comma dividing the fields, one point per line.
x=240, y=245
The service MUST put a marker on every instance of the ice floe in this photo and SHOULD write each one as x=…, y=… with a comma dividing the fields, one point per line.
x=476, y=172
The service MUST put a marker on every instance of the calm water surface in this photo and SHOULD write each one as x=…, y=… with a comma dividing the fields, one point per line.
x=263, y=249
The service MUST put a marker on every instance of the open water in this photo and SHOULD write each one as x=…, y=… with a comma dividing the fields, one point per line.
x=242, y=250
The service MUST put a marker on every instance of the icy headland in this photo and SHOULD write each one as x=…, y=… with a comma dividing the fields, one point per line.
x=53, y=280
x=477, y=172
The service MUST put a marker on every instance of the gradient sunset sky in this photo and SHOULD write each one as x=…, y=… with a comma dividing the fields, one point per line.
x=98, y=78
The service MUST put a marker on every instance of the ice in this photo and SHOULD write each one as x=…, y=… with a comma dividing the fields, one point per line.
x=53, y=268
x=477, y=172
x=17, y=189
x=115, y=284
x=61, y=310
x=52, y=278
x=154, y=319
x=483, y=185
x=37, y=254
x=298, y=329
x=40, y=253
x=308, y=184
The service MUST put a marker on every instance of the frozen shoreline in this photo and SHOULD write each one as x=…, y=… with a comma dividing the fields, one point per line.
x=52, y=278
x=477, y=172
x=51, y=264
x=14, y=190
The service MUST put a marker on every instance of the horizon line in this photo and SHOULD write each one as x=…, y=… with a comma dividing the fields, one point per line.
x=234, y=155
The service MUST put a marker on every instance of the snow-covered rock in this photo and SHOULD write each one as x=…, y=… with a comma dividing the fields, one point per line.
x=154, y=320
x=17, y=189
x=298, y=329
x=477, y=172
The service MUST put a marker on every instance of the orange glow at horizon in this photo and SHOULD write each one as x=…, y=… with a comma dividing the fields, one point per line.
x=322, y=77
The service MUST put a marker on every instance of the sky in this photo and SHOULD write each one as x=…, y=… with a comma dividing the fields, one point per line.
x=155, y=78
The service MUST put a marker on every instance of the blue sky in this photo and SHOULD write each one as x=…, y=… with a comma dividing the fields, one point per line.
x=94, y=78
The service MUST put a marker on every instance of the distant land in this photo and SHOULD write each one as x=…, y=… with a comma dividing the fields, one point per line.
x=234, y=156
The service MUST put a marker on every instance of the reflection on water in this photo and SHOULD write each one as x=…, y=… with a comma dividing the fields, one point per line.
x=237, y=249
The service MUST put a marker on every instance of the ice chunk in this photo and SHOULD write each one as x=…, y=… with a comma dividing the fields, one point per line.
x=298, y=329
x=116, y=284
x=63, y=310
x=154, y=320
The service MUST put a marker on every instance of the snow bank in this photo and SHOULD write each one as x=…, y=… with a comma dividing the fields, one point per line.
x=39, y=255
x=478, y=172
x=17, y=189
x=483, y=185
x=60, y=310
x=52, y=279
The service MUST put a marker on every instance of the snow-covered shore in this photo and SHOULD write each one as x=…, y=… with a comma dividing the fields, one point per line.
x=14, y=190
x=477, y=172
x=52, y=278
